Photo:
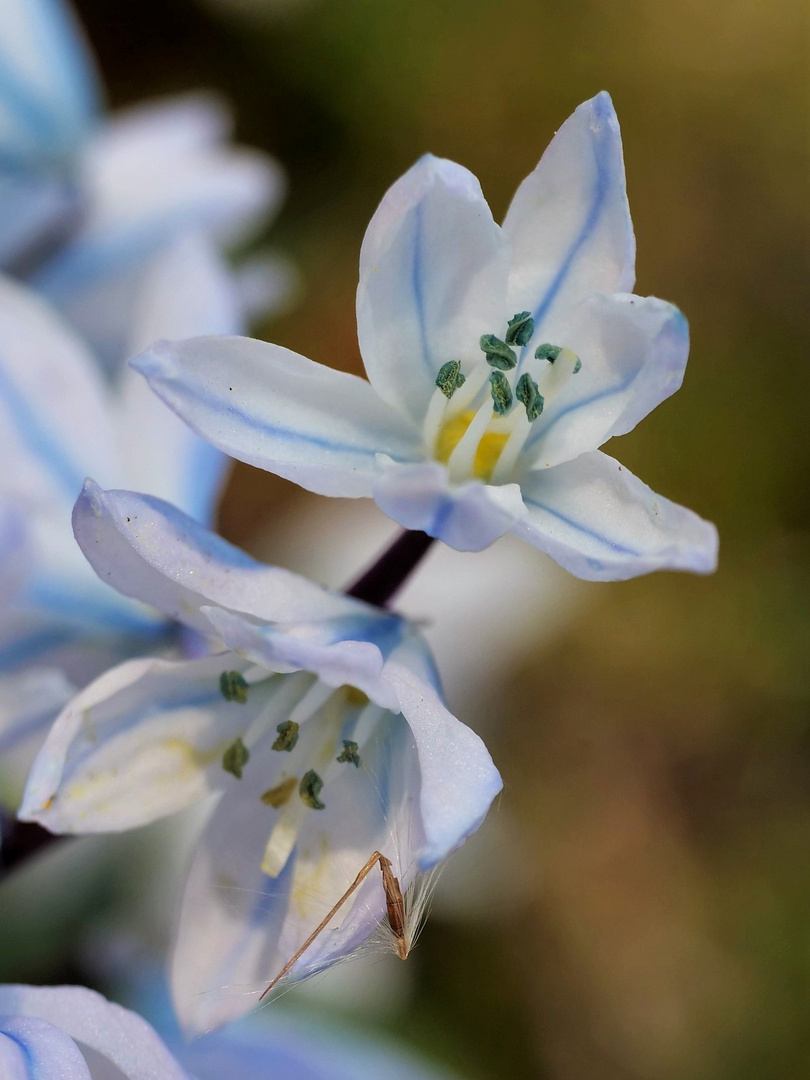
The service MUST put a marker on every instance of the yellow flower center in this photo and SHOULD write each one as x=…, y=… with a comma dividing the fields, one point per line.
x=488, y=451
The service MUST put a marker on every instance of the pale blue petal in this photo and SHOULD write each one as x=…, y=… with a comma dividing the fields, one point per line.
x=433, y=275
x=601, y=523
x=33, y=1049
x=149, y=175
x=29, y=700
x=633, y=351
x=119, y=1035
x=188, y=290
x=569, y=222
x=147, y=549
x=143, y=741
x=345, y=651
x=36, y=211
x=468, y=516
x=15, y=552
x=458, y=777
x=54, y=422
x=289, y=1046
x=48, y=91
x=274, y=409
x=252, y=924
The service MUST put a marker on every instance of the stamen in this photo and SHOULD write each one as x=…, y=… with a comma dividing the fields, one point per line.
x=521, y=328
x=235, y=758
x=450, y=378
x=460, y=463
x=234, y=686
x=501, y=392
x=349, y=754
x=526, y=391
x=498, y=353
x=287, y=735
x=519, y=430
x=310, y=788
x=557, y=375
x=324, y=709
x=279, y=795
x=547, y=352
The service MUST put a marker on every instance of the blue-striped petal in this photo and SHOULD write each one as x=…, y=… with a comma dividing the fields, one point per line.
x=569, y=222
x=433, y=274
x=633, y=351
x=148, y=550
x=119, y=1035
x=274, y=409
x=468, y=517
x=54, y=411
x=601, y=523
x=145, y=740
x=188, y=290
x=33, y=1049
x=48, y=92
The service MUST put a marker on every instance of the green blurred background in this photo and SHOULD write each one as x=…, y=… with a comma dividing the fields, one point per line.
x=653, y=919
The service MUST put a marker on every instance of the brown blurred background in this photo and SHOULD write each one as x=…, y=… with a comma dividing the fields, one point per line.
x=649, y=909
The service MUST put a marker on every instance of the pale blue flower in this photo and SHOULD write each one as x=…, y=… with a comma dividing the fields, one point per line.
x=72, y=1033
x=499, y=360
x=49, y=104
x=86, y=201
x=321, y=728
x=61, y=420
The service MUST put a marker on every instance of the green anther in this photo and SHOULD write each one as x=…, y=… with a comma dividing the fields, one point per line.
x=234, y=687
x=287, y=735
x=235, y=758
x=499, y=355
x=310, y=788
x=548, y=352
x=450, y=378
x=577, y=366
x=526, y=392
x=501, y=393
x=349, y=754
x=521, y=328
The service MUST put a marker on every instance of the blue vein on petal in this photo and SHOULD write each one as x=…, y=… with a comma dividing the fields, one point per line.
x=612, y=391
x=100, y=606
x=33, y=1068
x=214, y=403
x=33, y=647
x=618, y=548
x=418, y=286
x=38, y=439
x=601, y=152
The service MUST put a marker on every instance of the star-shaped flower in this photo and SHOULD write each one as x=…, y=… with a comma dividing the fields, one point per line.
x=322, y=728
x=499, y=359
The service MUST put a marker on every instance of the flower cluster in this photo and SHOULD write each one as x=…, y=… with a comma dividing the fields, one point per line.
x=500, y=359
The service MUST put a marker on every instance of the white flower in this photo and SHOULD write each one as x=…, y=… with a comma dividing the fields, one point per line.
x=85, y=201
x=61, y=420
x=322, y=728
x=499, y=359
x=45, y=1032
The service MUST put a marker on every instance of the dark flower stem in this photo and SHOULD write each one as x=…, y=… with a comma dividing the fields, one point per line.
x=20, y=840
x=383, y=580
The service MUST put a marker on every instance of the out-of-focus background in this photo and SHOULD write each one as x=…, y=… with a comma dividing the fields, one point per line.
x=638, y=906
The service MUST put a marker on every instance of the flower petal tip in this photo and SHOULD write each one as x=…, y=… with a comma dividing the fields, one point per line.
x=157, y=360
